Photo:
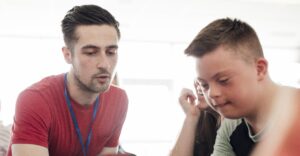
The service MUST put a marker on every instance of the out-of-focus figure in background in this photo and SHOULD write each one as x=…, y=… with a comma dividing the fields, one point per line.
x=283, y=137
x=4, y=137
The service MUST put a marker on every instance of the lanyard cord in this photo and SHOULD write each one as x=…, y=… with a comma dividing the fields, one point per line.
x=95, y=109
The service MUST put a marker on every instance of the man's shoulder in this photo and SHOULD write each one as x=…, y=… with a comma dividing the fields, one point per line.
x=113, y=89
x=44, y=89
x=116, y=96
x=47, y=83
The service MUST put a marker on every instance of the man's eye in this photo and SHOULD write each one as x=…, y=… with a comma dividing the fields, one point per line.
x=90, y=53
x=111, y=52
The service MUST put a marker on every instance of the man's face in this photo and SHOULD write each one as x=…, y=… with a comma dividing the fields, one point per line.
x=228, y=82
x=94, y=57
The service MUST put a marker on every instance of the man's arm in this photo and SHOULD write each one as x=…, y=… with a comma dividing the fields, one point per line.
x=30, y=128
x=29, y=150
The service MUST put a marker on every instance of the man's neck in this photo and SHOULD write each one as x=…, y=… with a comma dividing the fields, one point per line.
x=79, y=95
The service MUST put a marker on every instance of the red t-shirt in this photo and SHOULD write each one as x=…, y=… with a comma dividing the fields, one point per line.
x=43, y=118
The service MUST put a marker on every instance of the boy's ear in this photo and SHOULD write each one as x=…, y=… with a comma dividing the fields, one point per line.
x=67, y=54
x=261, y=68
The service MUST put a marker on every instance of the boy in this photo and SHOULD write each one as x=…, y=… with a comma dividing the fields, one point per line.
x=233, y=76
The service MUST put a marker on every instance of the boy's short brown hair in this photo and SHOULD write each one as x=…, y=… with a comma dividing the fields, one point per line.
x=230, y=33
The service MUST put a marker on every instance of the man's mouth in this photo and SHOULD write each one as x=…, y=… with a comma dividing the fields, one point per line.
x=103, y=78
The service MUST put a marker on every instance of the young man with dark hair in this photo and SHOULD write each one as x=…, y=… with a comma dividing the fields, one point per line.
x=233, y=76
x=78, y=112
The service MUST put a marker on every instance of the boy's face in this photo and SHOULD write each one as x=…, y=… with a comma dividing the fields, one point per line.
x=228, y=82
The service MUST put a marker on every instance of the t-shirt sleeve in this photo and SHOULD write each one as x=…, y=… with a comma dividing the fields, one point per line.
x=114, y=140
x=32, y=119
x=222, y=145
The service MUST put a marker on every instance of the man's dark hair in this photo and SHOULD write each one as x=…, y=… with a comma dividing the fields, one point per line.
x=85, y=15
x=230, y=33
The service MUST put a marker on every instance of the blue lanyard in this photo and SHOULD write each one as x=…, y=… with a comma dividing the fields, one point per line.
x=95, y=109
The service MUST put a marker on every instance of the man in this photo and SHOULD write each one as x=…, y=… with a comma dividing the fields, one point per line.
x=78, y=113
x=233, y=76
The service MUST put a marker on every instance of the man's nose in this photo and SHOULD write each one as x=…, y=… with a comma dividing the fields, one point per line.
x=103, y=61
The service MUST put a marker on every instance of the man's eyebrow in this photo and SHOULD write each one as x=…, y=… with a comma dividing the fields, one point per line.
x=96, y=47
x=90, y=47
x=112, y=47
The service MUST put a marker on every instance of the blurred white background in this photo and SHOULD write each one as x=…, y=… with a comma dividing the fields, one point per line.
x=152, y=66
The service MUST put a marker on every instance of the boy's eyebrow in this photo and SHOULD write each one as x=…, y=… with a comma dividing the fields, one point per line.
x=213, y=77
x=219, y=74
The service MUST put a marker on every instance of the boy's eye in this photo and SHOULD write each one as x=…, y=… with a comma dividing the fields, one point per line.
x=223, y=81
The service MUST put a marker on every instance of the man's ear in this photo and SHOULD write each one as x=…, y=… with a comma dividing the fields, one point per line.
x=67, y=54
x=261, y=68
